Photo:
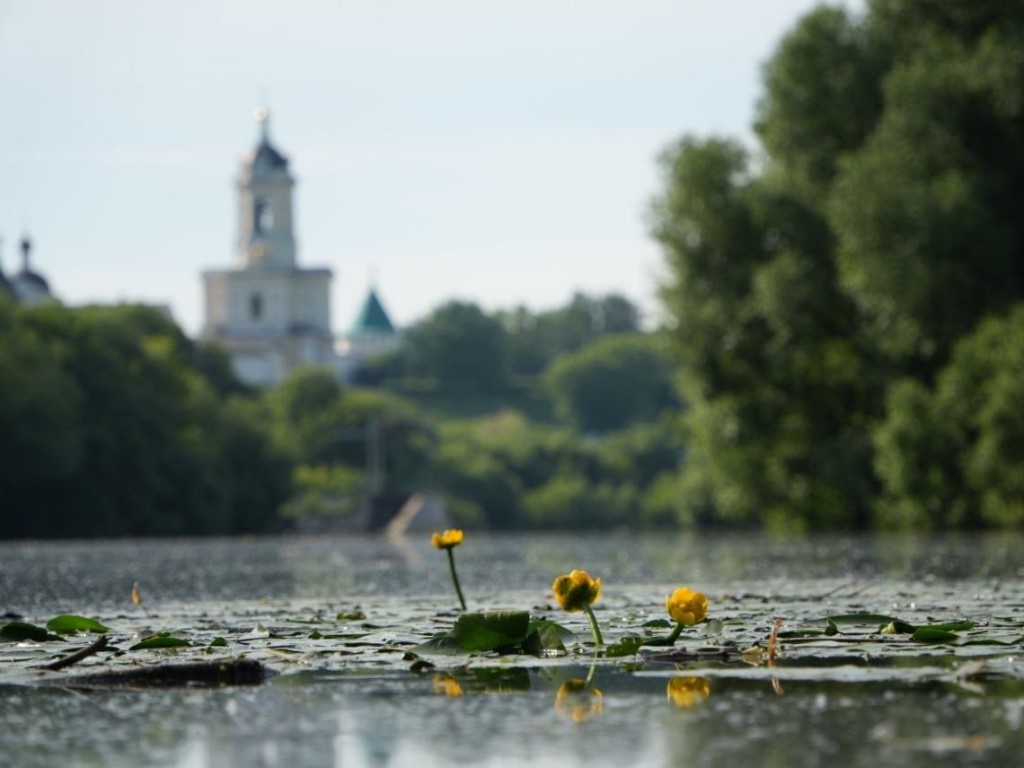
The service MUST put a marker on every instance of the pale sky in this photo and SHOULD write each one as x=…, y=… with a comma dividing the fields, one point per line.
x=491, y=151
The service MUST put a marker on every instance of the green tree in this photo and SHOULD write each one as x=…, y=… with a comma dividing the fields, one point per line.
x=929, y=237
x=135, y=439
x=459, y=348
x=612, y=383
x=536, y=339
x=876, y=231
x=953, y=456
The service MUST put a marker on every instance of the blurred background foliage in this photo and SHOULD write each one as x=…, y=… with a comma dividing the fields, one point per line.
x=841, y=342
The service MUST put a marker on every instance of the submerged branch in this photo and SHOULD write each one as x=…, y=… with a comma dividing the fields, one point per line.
x=77, y=656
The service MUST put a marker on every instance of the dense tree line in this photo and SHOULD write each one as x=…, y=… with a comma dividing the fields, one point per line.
x=600, y=449
x=845, y=303
x=113, y=423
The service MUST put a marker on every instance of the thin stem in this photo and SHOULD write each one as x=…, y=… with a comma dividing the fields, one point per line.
x=671, y=639
x=455, y=577
x=598, y=640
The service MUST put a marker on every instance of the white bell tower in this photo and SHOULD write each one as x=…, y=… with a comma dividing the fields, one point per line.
x=272, y=315
x=265, y=223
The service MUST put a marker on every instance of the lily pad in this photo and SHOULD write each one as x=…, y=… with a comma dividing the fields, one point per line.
x=68, y=623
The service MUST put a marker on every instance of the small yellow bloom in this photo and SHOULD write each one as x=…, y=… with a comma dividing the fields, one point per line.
x=447, y=685
x=686, y=691
x=447, y=540
x=578, y=701
x=576, y=590
x=686, y=606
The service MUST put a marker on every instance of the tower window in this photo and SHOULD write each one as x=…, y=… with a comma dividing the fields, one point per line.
x=255, y=306
x=264, y=216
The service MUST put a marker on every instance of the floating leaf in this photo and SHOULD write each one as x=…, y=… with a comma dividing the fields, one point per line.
x=441, y=645
x=491, y=630
x=68, y=623
x=954, y=626
x=16, y=631
x=350, y=616
x=218, y=642
x=933, y=635
x=546, y=637
x=627, y=646
x=658, y=624
x=897, y=627
x=858, y=618
x=159, y=641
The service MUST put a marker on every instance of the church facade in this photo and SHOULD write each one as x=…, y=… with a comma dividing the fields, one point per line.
x=272, y=315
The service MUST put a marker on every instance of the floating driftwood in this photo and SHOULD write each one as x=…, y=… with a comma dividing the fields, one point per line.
x=205, y=674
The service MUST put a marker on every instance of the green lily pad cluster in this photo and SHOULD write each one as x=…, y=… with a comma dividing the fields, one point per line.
x=499, y=631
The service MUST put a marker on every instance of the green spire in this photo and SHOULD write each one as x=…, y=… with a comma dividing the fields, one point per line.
x=372, y=318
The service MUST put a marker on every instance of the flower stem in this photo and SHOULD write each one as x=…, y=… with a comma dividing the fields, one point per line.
x=598, y=640
x=455, y=577
x=671, y=639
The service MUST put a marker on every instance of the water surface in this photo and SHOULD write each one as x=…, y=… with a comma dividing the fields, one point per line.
x=860, y=703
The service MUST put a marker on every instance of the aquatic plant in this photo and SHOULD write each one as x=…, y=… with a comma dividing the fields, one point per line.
x=686, y=607
x=577, y=591
x=448, y=541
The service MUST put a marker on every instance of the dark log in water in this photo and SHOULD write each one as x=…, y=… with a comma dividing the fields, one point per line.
x=200, y=674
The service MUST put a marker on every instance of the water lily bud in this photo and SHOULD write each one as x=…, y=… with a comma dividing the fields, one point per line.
x=686, y=606
x=447, y=540
x=575, y=590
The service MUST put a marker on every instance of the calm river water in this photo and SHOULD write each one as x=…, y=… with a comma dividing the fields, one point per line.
x=923, y=709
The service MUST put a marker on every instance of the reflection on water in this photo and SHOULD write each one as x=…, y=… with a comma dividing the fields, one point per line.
x=621, y=718
x=655, y=714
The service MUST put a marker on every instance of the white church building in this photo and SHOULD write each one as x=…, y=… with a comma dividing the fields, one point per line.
x=272, y=315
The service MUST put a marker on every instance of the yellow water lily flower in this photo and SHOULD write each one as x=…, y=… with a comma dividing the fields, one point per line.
x=686, y=691
x=686, y=606
x=578, y=701
x=576, y=590
x=448, y=539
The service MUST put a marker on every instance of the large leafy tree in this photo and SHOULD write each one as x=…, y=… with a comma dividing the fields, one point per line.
x=878, y=227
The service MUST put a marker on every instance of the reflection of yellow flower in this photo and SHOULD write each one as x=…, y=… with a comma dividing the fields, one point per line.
x=448, y=539
x=686, y=606
x=578, y=701
x=576, y=590
x=447, y=685
x=686, y=691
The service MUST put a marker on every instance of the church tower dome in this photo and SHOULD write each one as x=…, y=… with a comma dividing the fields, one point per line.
x=265, y=184
x=30, y=287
